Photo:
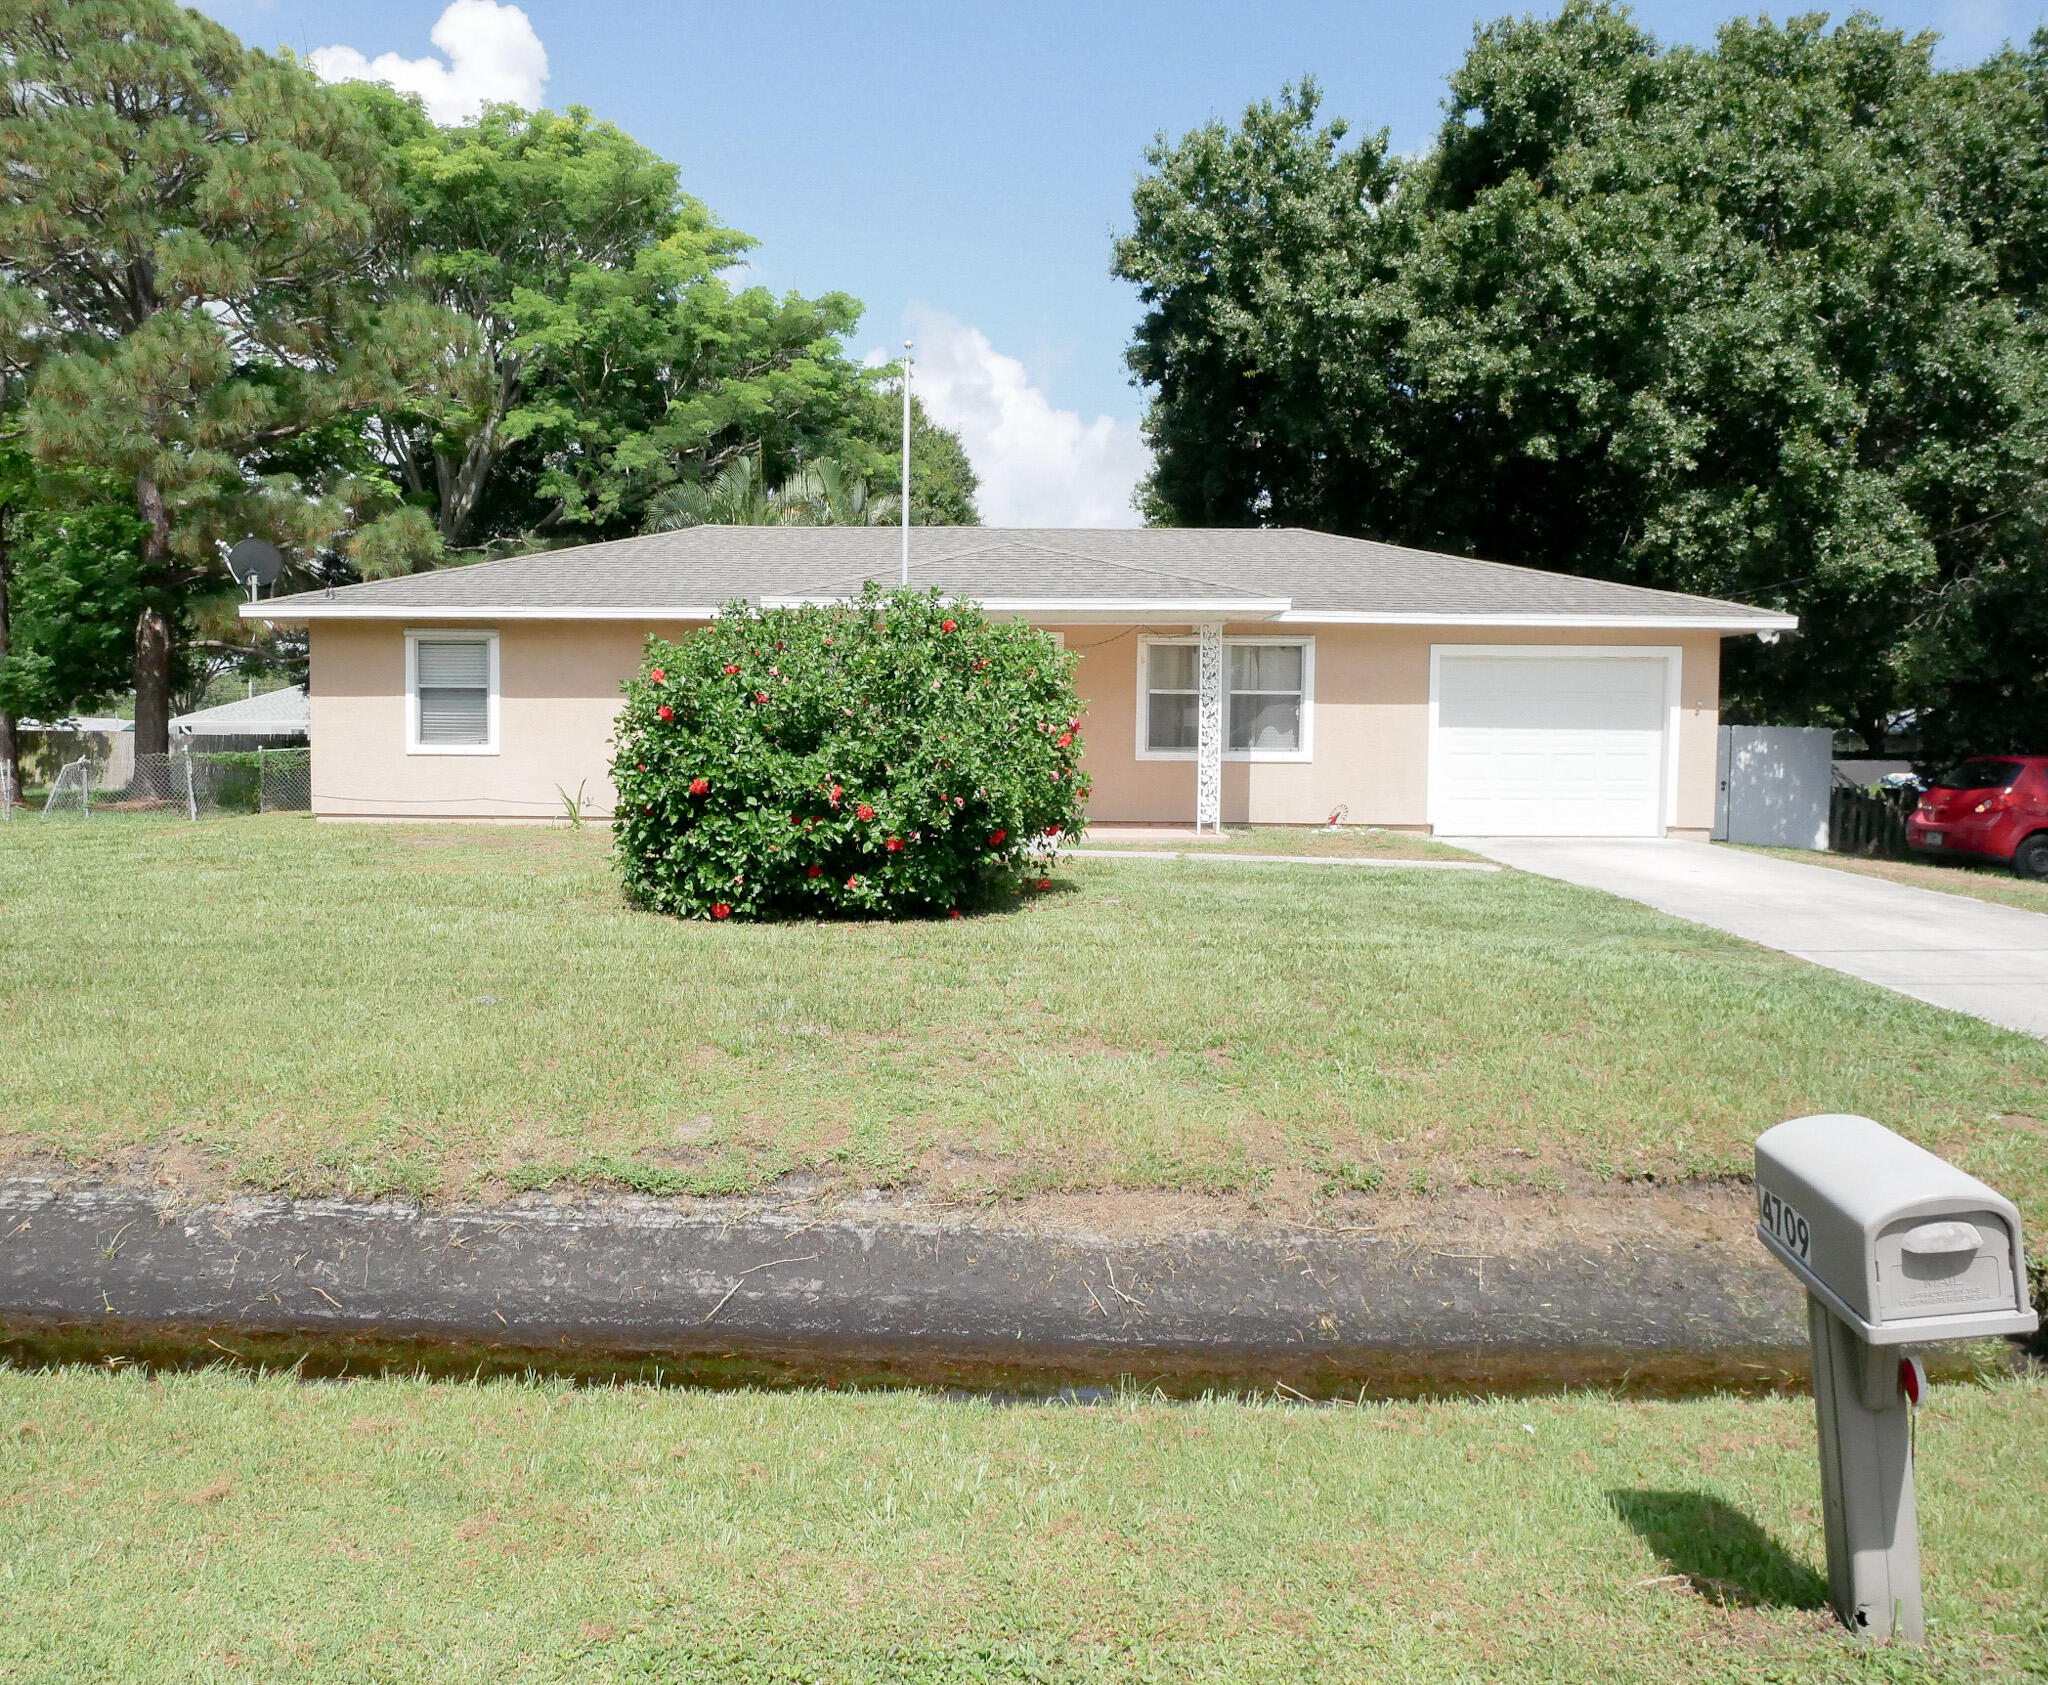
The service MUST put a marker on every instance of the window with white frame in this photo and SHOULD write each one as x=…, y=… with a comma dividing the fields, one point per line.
x=452, y=693
x=1266, y=708
x=1172, y=697
x=1265, y=696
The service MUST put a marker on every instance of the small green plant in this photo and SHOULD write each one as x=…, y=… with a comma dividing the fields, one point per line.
x=899, y=754
x=1345, y=1176
x=574, y=807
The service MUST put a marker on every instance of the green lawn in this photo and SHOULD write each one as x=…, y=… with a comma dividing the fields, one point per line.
x=1351, y=843
x=206, y=1527
x=1953, y=877
x=442, y=1009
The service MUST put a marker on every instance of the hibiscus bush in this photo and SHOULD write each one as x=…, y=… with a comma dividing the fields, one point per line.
x=897, y=755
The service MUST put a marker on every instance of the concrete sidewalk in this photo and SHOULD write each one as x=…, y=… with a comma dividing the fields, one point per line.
x=1951, y=950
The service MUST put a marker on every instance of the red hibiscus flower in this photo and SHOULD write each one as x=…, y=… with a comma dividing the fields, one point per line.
x=700, y=786
x=1045, y=883
x=815, y=872
x=835, y=795
x=895, y=845
x=719, y=910
x=853, y=882
x=730, y=668
x=954, y=914
x=760, y=696
x=664, y=712
x=1052, y=830
x=657, y=675
x=1066, y=737
x=947, y=625
x=863, y=812
x=996, y=841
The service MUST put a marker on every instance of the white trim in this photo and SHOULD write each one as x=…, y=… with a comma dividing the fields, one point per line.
x=413, y=745
x=1672, y=655
x=1087, y=610
x=390, y=611
x=1754, y=622
x=1079, y=611
x=1304, y=641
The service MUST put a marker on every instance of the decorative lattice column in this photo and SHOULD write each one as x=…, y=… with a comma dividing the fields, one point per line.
x=1209, y=735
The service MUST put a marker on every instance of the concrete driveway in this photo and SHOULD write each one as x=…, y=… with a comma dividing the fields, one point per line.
x=1967, y=955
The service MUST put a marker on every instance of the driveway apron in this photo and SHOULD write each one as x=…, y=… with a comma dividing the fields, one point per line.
x=1951, y=950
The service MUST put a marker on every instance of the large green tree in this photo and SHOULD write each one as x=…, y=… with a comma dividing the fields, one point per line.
x=606, y=352
x=1761, y=321
x=186, y=232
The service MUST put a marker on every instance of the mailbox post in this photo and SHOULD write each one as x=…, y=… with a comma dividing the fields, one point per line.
x=1896, y=1249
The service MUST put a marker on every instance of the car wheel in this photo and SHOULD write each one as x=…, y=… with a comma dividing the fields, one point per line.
x=2030, y=859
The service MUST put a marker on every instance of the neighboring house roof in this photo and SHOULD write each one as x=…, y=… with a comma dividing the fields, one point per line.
x=276, y=713
x=1171, y=574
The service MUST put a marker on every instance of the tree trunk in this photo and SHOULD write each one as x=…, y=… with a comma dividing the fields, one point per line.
x=1870, y=727
x=153, y=626
x=461, y=481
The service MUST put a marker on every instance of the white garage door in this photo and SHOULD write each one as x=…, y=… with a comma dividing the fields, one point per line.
x=1549, y=745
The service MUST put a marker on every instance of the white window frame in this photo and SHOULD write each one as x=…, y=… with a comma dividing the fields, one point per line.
x=449, y=635
x=1672, y=655
x=1307, y=645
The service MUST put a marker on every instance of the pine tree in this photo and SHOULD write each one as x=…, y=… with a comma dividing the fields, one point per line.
x=186, y=230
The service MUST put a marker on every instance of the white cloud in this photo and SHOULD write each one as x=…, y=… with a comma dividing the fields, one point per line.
x=1039, y=466
x=493, y=54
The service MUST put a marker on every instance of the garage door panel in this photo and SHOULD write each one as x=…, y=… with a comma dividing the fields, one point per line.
x=1550, y=746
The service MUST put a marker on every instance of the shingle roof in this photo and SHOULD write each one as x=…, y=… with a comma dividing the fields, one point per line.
x=1239, y=573
x=274, y=712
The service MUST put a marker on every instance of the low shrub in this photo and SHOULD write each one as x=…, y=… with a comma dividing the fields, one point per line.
x=235, y=777
x=899, y=754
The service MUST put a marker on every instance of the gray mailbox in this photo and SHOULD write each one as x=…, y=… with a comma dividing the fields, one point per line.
x=1896, y=1248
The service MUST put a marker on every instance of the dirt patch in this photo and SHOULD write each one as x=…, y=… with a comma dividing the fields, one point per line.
x=1520, y=1206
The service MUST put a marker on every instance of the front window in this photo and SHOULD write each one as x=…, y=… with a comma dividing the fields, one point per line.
x=1980, y=775
x=1265, y=696
x=453, y=692
x=1174, y=702
x=1265, y=703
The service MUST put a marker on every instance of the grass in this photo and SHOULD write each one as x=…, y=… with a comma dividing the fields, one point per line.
x=210, y=1527
x=1350, y=843
x=1976, y=879
x=469, y=1010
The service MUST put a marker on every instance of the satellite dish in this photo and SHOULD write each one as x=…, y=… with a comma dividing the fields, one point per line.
x=255, y=562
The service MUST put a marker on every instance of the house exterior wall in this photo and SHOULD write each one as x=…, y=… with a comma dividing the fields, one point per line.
x=559, y=692
x=1371, y=727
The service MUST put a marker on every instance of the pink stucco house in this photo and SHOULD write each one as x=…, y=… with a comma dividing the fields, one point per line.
x=1263, y=676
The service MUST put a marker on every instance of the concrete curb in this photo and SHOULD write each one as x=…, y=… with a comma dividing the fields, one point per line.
x=763, y=1296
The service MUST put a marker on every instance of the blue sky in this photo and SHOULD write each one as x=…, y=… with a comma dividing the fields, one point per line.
x=961, y=168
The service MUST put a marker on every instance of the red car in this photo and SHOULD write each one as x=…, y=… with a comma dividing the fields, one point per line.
x=1993, y=808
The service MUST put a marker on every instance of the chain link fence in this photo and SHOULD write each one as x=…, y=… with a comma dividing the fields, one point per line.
x=189, y=786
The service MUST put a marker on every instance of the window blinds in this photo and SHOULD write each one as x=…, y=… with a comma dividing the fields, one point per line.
x=455, y=691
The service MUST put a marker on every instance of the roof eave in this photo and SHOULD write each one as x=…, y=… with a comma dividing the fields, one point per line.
x=1592, y=622
x=291, y=611
x=1048, y=610
x=1095, y=611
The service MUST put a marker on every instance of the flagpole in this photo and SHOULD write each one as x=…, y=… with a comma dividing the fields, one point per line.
x=906, y=461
